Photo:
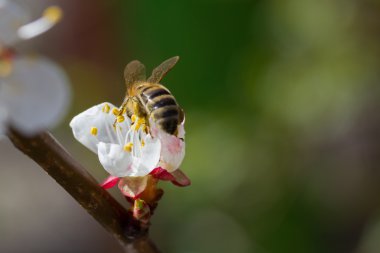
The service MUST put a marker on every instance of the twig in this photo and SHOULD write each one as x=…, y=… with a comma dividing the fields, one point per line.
x=45, y=150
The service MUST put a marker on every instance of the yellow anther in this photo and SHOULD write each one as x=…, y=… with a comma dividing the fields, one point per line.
x=142, y=143
x=133, y=118
x=53, y=14
x=94, y=131
x=140, y=121
x=115, y=111
x=128, y=147
x=120, y=119
x=136, y=108
x=106, y=108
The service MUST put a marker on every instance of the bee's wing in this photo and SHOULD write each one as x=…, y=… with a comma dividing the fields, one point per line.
x=159, y=72
x=134, y=72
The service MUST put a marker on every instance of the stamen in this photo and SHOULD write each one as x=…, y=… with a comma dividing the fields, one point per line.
x=94, y=131
x=140, y=121
x=128, y=147
x=53, y=14
x=106, y=108
x=142, y=143
x=136, y=108
x=115, y=111
x=120, y=118
x=133, y=118
x=49, y=18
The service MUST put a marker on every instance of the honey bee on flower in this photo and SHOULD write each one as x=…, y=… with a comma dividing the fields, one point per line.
x=141, y=139
x=34, y=91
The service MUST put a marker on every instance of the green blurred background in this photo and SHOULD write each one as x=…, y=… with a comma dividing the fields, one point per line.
x=282, y=117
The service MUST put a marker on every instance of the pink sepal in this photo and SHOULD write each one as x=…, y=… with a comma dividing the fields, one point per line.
x=177, y=177
x=162, y=174
x=130, y=198
x=132, y=187
x=180, y=178
x=110, y=182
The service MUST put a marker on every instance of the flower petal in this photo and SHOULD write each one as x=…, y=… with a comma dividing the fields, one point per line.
x=109, y=182
x=114, y=159
x=149, y=158
x=172, y=152
x=36, y=94
x=12, y=17
x=95, y=125
x=172, y=147
x=132, y=186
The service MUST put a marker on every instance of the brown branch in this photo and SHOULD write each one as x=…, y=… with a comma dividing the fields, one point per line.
x=45, y=150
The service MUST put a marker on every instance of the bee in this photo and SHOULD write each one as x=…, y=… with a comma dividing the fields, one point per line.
x=149, y=99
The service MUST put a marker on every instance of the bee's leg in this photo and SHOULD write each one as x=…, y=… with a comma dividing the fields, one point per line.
x=124, y=105
x=138, y=108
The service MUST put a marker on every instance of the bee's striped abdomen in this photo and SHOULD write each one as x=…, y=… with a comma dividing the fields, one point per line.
x=161, y=105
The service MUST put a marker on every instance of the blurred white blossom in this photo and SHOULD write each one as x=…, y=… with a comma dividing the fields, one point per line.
x=16, y=23
x=34, y=91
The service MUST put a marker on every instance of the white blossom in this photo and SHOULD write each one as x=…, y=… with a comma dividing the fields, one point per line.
x=16, y=23
x=34, y=91
x=128, y=148
x=35, y=94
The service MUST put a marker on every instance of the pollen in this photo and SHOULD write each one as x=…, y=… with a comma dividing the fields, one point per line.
x=94, y=131
x=128, y=147
x=136, y=108
x=115, y=111
x=142, y=143
x=120, y=119
x=139, y=122
x=53, y=14
x=133, y=118
x=106, y=108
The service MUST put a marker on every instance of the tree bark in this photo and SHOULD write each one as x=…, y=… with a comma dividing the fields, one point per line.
x=46, y=151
